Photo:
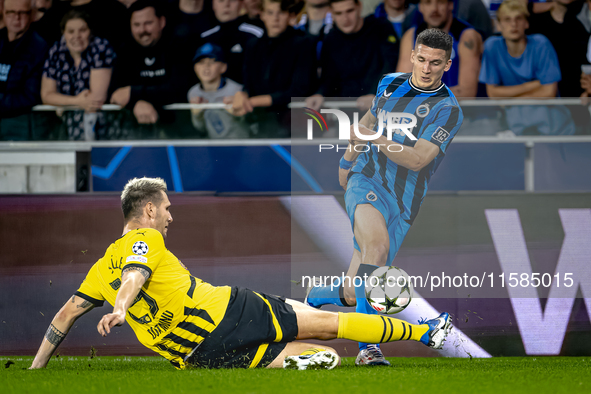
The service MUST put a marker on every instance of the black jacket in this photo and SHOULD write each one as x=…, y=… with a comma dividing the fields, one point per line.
x=232, y=37
x=283, y=67
x=352, y=64
x=22, y=89
x=159, y=75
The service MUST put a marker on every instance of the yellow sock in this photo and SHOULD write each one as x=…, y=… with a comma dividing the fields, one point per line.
x=377, y=328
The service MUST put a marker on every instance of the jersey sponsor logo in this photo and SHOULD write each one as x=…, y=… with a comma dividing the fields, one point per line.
x=371, y=196
x=150, y=62
x=440, y=135
x=423, y=110
x=141, y=233
x=151, y=73
x=140, y=248
x=386, y=94
x=139, y=259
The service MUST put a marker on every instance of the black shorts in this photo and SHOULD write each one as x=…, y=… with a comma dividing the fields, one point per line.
x=254, y=330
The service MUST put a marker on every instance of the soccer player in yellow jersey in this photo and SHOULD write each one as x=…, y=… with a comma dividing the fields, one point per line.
x=194, y=324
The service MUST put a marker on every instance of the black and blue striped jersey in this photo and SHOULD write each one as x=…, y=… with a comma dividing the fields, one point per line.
x=439, y=118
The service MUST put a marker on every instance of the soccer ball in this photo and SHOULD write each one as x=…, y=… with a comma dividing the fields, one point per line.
x=388, y=290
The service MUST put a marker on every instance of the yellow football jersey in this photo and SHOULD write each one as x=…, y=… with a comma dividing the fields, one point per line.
x=173, y=311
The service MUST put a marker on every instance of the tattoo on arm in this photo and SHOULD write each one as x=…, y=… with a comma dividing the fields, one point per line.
x=469, y=44
x=142, y=271
x=84, y=304
x=54, y=336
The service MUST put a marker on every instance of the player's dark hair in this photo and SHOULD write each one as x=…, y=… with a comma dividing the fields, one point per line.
x=74, y=14
x=138, y=192
x=141, y=4
x=338, y=1
x=436, y=39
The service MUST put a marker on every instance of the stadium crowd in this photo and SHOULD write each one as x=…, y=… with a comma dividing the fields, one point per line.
x=255, y=55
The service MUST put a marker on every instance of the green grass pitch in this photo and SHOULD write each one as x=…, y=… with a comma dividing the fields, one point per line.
x=406, y=375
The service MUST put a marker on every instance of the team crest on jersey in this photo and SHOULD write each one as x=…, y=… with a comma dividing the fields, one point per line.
x=440, y=135
x=422, y=110
x=140, y=248
x=371, y=196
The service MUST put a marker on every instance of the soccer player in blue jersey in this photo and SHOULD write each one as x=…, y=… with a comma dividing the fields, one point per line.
x=386, y=185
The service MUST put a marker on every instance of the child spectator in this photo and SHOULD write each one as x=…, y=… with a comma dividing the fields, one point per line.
x=214, y=88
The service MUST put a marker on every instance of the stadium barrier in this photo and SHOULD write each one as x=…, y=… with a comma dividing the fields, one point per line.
x=484, y=156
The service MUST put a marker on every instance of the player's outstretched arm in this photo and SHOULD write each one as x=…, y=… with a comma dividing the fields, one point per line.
x=413, y=158
x=132, y=280
x=58, y=329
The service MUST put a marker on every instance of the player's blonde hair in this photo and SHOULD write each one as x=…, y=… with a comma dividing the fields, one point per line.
x=512, y=5
x=140, y=191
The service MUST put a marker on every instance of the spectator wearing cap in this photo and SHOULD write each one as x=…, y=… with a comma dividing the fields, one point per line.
x=22, y=53
x=77, y=73
x=213, y=87
x=277, y=67
x=231, y=34
x=151, y=71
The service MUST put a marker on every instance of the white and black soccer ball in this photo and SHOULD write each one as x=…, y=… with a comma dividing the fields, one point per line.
x=140, y=248
x=389, y=290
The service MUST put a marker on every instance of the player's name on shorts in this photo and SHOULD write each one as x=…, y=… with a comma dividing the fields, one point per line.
x=395, y=148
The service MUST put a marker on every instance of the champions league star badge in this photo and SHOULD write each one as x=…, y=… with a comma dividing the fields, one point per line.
x=371, y=196
x=140, y=248
x=422, y=110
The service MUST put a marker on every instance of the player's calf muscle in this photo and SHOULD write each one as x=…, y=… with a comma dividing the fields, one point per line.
x=314, y=323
